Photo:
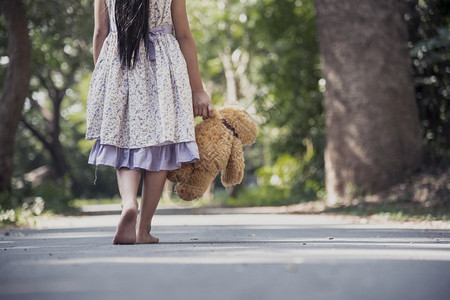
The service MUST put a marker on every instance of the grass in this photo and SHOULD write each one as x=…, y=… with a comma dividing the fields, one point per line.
x=394, y=211
x=173, y=201
x=397, y=206
x=387, y=211
x=21, y=217
x=82, y=202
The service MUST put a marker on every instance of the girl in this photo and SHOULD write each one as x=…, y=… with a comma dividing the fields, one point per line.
x=144, y=94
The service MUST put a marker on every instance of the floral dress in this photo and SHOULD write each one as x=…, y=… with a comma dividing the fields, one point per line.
x=142, y=118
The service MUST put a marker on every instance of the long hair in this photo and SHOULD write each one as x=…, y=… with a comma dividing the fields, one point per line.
x=132, y=26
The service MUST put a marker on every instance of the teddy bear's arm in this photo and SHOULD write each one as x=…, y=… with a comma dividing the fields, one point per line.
x=234, y=170
x=181, y=174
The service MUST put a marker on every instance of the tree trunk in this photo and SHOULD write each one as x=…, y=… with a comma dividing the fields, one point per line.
x=15, y=86
x=58, y=158
x=51, y=140
x=56, y=149
x=373, y=130
x=230, y=79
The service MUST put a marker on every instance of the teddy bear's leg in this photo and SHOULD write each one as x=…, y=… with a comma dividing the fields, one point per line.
x=195, y=186
x=234, y=170
x=180, y=174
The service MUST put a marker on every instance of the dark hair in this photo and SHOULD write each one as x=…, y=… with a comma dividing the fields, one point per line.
x=132, y=26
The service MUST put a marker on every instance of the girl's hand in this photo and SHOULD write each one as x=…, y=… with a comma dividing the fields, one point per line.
x=202, y=105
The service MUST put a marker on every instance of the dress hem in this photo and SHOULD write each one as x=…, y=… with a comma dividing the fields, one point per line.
x=150, y=144
x=153, y=158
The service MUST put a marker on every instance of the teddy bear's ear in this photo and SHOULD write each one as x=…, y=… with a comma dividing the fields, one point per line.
x=234, y=105
x=230, y=106
x=216, y=114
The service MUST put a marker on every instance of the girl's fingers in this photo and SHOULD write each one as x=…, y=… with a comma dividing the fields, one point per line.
x=210, y=111
x=205, y=112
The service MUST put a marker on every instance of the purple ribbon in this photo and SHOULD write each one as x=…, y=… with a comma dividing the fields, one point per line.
x=153, y=35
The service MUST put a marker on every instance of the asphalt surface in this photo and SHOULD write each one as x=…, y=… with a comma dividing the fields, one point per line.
x=232, y=254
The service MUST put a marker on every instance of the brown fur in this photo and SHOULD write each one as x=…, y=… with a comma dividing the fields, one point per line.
x=219, y=150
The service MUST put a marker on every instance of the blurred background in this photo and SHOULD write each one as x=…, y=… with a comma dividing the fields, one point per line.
x=264, y=54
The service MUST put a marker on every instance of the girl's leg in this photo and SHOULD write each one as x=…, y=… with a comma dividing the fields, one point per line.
x=151, y=193
x=128, y=182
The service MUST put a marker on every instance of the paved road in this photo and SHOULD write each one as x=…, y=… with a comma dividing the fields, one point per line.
x=237, y=255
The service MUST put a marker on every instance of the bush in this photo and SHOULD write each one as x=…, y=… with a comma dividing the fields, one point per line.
x=56, y=196
x=258, y=196
x=23, y=215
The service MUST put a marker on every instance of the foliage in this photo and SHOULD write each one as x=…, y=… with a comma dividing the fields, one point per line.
x=429, y=30
x=61, y=56
x=289, y=97
x=57, y=197
x=83, y=176
x=54, y=196
x=273, y=61
x=23, y=215
x=272, y=72
x=4, y=60
x=279, y=174
x=276, y=77
x=29, y=202
x=273, y=185
x=254, y=196
x=61, y=33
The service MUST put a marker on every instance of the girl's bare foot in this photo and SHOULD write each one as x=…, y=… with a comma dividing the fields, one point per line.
x=146, y=238
x=126, y=230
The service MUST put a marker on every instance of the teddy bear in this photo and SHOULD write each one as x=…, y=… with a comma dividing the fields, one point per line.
x=220, y=139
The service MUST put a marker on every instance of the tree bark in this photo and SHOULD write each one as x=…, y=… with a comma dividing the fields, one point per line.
x=56, y=149
x=51, y=140
x=373, y=130
x=15, y=86
x=230, y=79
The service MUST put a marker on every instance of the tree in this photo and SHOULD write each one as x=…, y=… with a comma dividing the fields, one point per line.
x=265, y=55
x=288, y=97
x=61, y=56
x=373, y=130
x=429, y=40
x=15, y=85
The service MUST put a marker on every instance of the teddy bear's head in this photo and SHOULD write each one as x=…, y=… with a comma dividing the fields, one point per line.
x=242, y=123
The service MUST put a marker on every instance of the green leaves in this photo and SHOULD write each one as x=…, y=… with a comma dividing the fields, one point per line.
x=275, y=65
x=289, y=98
x=60, y=32
x=429, y=25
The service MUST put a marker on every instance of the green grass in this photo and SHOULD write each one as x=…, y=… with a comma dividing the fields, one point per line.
x=173, y=201
x=82, y=202
x=21, y=217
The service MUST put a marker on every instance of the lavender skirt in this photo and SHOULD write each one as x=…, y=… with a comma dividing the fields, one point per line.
x=153, y=158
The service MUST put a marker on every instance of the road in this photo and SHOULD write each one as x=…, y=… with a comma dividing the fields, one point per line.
x=233, y=254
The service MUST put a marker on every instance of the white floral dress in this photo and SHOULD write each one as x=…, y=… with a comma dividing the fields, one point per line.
x=142, y=118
